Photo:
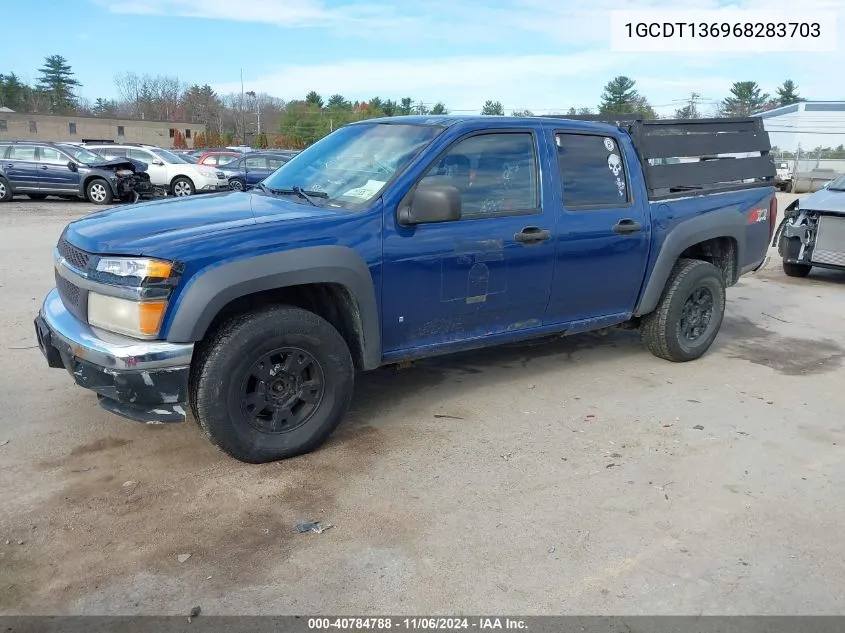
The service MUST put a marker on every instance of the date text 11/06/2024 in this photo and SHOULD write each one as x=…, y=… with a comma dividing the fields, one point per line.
x=420, y=623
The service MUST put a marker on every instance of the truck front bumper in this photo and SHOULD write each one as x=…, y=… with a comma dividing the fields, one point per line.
x=145, y=381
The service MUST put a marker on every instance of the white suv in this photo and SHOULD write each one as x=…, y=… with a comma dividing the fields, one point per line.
x=166, y=169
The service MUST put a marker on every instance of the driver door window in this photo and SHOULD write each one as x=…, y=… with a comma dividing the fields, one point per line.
x=496, y=174
x=256, y=162
x=53, y=157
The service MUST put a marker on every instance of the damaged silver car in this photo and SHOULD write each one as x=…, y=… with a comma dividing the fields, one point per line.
x=812, y=232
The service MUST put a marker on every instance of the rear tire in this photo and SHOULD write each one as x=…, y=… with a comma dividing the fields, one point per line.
x=796, y=270
x=36, y=196
x=5, y=190
x=690, y=312
x=98, y=191
x=272, y=384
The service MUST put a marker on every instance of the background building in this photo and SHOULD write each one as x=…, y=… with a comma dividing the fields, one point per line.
x=810, y=124
x=47, y=127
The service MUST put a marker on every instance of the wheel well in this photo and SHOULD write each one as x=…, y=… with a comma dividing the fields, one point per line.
x=183, y=176
x=334, y=302
x=88, y=180
x=722, y=252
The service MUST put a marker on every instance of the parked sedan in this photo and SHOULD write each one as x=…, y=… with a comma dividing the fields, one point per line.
x=248, y=171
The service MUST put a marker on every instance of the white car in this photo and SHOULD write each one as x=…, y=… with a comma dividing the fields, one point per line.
x=166, y=169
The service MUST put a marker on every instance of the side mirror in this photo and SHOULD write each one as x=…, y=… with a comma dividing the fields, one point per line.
x=431, y=203
x=156, y=161
x=72, y=166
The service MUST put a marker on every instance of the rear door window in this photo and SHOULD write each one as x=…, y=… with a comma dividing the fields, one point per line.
x=592, y=171
x=25, y=153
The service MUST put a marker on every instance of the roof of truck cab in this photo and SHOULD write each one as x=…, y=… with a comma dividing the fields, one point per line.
x=488, y=121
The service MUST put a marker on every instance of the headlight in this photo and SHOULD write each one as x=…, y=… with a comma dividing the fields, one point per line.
x=142, y=268
x=139, y=319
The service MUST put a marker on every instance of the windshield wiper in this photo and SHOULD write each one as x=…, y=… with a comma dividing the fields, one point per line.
x=298, y=191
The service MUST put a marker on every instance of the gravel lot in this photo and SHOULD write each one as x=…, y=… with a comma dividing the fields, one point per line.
x=572, y=477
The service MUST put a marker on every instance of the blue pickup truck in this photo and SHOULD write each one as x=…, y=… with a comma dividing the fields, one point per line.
x=401, y=238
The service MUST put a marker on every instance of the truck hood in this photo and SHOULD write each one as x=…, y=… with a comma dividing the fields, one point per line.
x=824, y=200
x=137, y=229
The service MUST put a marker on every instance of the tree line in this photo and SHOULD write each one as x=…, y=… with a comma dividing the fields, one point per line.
x=263, y=120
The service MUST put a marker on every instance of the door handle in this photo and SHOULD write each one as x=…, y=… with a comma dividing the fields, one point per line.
x=44, y=167
x=627, y=226
x=532, y=234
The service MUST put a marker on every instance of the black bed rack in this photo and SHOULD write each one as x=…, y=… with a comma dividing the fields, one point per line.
x=699, y=145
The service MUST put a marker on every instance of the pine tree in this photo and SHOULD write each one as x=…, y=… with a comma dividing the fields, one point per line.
x=619, y=96
x=493, y=108
x=58, y=82
x=746, y=99
x=439, y=108
x=787, y=93
x=314, y=99
x=13, y=92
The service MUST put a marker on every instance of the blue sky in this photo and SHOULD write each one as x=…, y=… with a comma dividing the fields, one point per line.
x=537, y=54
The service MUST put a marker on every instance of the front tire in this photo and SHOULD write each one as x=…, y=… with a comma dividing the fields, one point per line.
x=182, y=187
x=5, y=190
x=98, y=191
x=690, y=312
x=236, y=184
x=272, y=384
x=796, y=270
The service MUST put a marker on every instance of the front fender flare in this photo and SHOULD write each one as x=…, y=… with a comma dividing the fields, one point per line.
x=212, y=289
x=721, y=223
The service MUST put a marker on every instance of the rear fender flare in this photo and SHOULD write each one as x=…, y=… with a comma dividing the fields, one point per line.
x=721, y=223
x=212, y=289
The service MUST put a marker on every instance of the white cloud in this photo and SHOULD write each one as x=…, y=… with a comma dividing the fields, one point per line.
x=565, y=22
x=493, y=36
x=464, y=83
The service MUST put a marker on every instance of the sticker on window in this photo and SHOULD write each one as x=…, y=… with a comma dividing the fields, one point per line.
x=367, y=191
x=609, y=145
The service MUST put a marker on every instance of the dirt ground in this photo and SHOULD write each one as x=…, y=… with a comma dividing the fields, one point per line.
x=579, y=477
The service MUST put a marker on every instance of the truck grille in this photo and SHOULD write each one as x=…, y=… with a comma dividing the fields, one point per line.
x=68, y=292
x=76, y=257
x=74, y=298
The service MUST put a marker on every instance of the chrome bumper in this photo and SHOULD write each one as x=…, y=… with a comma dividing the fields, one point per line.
x=106, y=350
x=145, y=381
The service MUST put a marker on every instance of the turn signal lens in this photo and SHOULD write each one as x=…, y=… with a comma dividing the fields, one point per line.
x=149, y=317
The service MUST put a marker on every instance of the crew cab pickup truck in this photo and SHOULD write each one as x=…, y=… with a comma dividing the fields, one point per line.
x=396, y=239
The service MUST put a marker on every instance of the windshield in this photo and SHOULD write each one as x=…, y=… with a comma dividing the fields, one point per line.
x=167, y=157
x=352, y=165
x=838, y=184
x=83, y=155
